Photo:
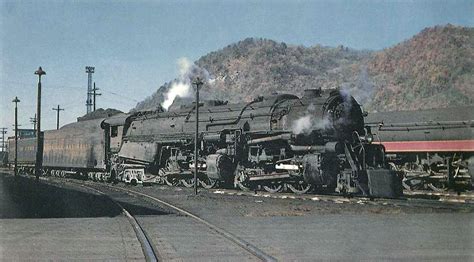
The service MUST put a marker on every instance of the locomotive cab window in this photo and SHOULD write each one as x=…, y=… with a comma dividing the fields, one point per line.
x=114, y=131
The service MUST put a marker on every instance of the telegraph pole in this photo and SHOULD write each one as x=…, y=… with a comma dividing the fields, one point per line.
x=33, y=121
x=57, y=117
x=89, y=71
x=94, y=94
x=39, y=150
x=4, y=131
x=15, y=168
x=198, y=84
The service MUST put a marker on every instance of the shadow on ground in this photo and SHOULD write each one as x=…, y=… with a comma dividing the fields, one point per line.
x=22, y=197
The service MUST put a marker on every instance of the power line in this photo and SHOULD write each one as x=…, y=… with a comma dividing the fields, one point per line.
x=122, y=96
x=75, y=88
x=48, y=87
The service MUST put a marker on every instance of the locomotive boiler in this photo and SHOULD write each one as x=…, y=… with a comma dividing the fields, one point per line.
x=274, y=142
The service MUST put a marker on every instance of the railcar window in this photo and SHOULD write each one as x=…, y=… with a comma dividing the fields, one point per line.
x=114, y=131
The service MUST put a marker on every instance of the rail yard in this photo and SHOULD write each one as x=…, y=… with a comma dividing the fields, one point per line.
x=265, y=189
x=235, y=225
x=236, y=130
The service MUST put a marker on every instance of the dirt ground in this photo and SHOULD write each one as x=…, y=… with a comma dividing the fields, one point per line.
x=282, y=225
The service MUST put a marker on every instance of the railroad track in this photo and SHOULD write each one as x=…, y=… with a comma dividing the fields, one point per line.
x=411, y=198
x=149, y=250
x=421, y=199
x=411, y=195
x=408, y=196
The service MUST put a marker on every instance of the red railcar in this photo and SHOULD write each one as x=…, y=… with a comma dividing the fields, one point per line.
x=434, y=147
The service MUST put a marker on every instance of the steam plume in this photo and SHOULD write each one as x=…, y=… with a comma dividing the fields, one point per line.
x=182, y=86
x=307, y=123
x=181, y=89
x=302, y=124
x=362, y=90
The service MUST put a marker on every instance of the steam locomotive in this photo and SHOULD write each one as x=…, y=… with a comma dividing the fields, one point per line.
x=434, y=148
x=278, y=142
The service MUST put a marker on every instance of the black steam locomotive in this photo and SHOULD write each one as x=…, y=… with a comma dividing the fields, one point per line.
x=276, y=142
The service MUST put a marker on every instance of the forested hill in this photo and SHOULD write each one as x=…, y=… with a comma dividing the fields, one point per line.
x=432, y=69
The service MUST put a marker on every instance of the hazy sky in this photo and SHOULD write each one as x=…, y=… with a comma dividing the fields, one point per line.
x=134, y=45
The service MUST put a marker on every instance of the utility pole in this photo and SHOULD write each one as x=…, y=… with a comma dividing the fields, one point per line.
x=198, y=84
x=33, y=121
x=4, y=131
x=15, y=168
x=57, y=117
x=89, y=71
x=39, y=149
x=95, y=94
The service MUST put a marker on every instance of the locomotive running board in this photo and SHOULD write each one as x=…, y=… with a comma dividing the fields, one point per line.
x=269, y=177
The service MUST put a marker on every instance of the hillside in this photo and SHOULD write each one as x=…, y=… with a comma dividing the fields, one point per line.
x=258, y=66
x=432, y=69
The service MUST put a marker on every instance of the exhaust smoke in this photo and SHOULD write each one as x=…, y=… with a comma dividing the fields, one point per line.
x=307, y=123
x=182, y=86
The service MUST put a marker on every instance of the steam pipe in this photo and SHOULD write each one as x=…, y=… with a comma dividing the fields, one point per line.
x=330, y=147
x=417, y=128
x=238, y=118
x=268, y=139
x=213, y=137
x=423, y=124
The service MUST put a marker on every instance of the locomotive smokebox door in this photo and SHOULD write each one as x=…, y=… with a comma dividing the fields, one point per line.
x=384, y=183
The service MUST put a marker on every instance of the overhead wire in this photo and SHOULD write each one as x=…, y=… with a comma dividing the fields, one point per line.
x=78, y=88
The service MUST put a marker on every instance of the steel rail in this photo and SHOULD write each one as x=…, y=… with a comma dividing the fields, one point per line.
x=149, y=251
x=409, y=195
x=240, y=242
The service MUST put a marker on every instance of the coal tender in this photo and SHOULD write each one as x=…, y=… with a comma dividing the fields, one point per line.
x=277, y=142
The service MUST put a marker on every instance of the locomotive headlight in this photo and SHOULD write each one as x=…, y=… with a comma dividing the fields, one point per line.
x=367, y=138
x=370, y=138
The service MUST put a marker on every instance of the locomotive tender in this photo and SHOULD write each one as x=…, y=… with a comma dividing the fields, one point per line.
x=275, y=142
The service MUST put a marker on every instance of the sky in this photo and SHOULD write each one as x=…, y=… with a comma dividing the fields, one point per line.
x=135, y=45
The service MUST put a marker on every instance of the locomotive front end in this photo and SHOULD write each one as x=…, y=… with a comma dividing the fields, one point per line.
x=338, y=154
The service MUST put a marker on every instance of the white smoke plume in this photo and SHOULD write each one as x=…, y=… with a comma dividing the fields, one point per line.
x=302, y=124
x=182, y=86
x=309, y=122
x=181, y=89
x=362, y=90
x=184, y=66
